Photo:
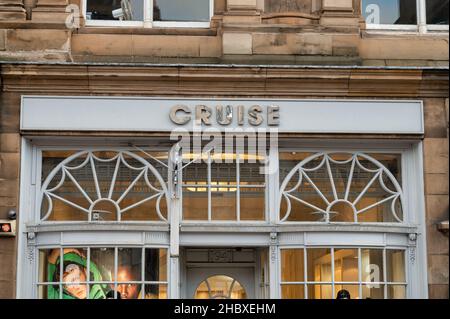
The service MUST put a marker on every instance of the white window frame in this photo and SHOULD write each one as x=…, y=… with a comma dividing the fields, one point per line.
x=420, y=27
x=148, y=19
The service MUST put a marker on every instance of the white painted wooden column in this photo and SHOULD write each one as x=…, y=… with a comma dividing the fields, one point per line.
x=422, y=15
x=175, y=209
x=274, y=186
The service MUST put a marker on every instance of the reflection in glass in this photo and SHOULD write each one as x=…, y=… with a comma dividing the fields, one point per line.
x=319, y=265
x=223, y=205
x=252, y=203
x=320, y=292
x=346, y=267
x=155, y=292
x=181, y=10
x=293, y=291
x=373, y=291
x=372, y=265
x=292, y=265
x=395, y=266
x=437, y=12
x=396, y=292
x=390, y=11
x=155, y=264
x=104, y=259
x=129, y=272
x=103, y=9
x=195, y=203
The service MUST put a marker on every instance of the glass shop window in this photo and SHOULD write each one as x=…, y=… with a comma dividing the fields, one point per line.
x=103, y=186
x=437, y=12
x=390, y=12
x=360, y=273
x=102, y=273
x=224, y=187
x=340, y=187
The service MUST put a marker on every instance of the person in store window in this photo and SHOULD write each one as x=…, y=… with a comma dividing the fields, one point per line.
x=128, y=274
x=343, y=294
x=74, y=273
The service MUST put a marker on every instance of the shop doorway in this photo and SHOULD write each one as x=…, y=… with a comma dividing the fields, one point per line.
x=221, y=273
x=222, y=282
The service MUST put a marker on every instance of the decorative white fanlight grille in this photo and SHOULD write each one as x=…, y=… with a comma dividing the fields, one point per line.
x=97, y=182
x=321, y=196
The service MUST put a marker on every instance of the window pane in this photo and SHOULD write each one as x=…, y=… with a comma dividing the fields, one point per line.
x=346, y=265
x=223, y=173
x=195, y=203
x=437, y=12
x=223, y=204
x=129, y=271
x=155, y=265
x=155, y=291
x=75, y=273
x=181, y=10
x=251, y=167
x=319, y=265
x=293, y=291
x=48, y=258
x=390, y=11
x=131, y=10
x=253, y=203
x=292, y=265
x=396, y=292
x=320, y=292
x=102, y=264
x=395, y=264
x=48, y=292
x=372, y=265
x=373, y=291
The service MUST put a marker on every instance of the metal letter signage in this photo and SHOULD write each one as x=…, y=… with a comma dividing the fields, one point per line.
x=225, y=115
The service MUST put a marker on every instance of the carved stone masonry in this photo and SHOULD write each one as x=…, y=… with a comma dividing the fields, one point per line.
x=12, y=10
x=303, y=6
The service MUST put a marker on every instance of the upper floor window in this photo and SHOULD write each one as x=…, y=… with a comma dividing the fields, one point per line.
x=144, y=13
x=406, y=14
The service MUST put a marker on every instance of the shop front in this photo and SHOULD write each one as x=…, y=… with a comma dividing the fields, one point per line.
x=221, y=198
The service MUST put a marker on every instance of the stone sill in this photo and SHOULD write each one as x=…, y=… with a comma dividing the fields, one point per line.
x=405, y=35
x=146, y=31
x=108, y=30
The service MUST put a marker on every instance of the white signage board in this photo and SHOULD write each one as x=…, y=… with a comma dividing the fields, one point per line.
x=140, y=114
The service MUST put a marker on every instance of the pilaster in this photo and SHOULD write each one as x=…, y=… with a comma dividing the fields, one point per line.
x=339, y=13
x=242, y=12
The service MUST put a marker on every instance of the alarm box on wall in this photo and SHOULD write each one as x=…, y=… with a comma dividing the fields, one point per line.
x=7, y=228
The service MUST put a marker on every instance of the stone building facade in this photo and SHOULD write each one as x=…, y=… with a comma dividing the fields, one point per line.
x=242, y=49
